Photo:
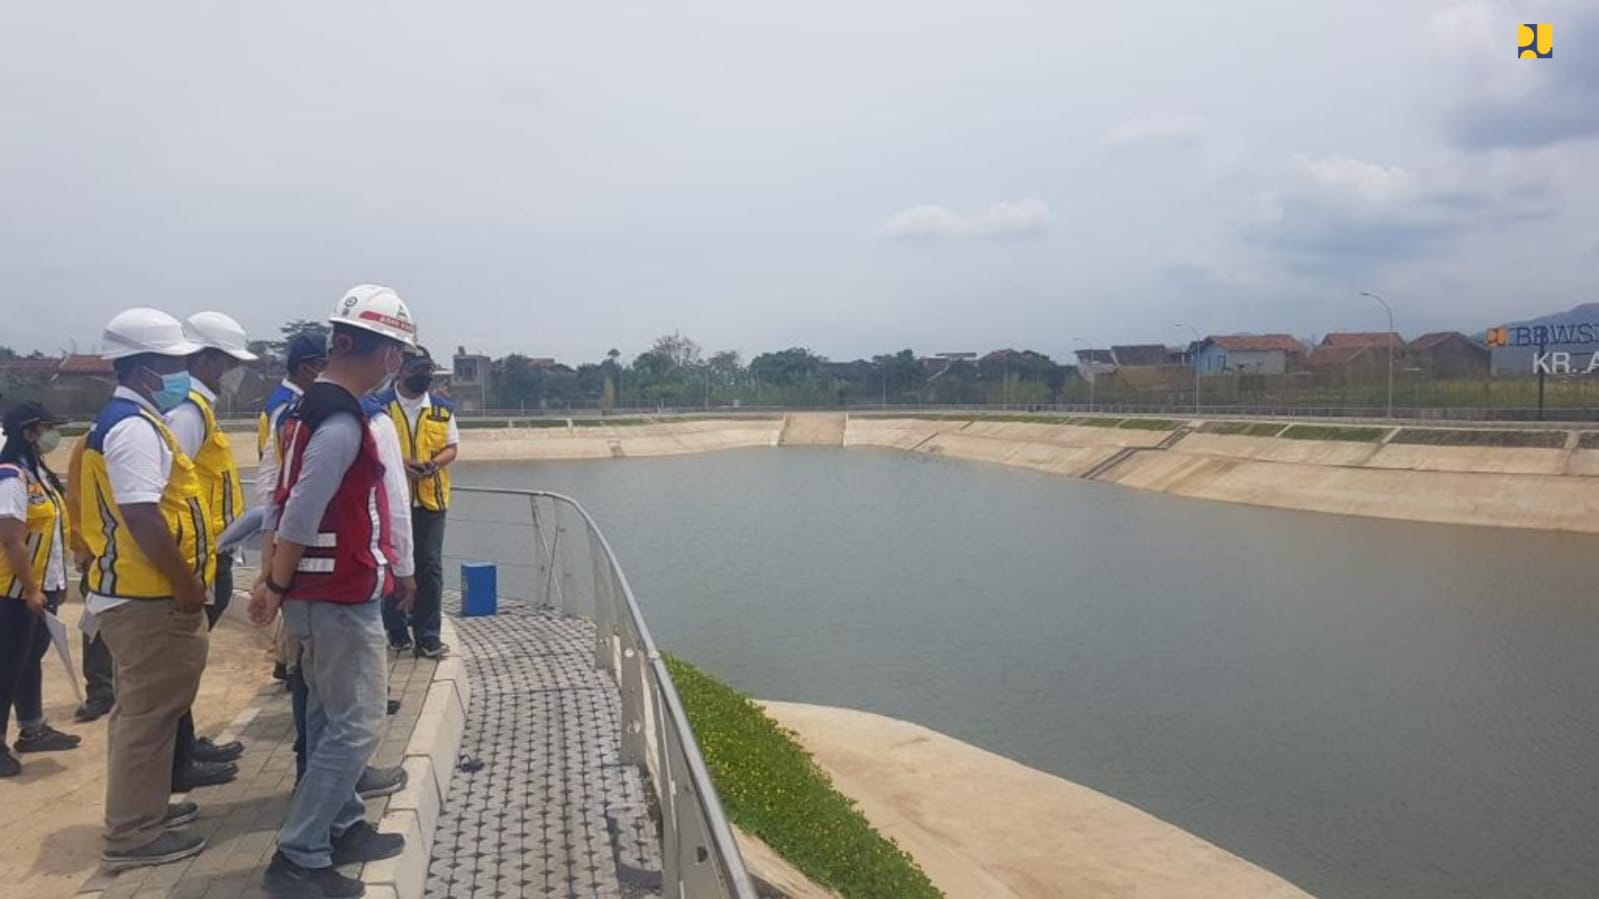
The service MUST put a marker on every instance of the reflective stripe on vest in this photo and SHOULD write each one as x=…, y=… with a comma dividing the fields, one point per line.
x=420, y=444
x=120, y=568
x=45, y=508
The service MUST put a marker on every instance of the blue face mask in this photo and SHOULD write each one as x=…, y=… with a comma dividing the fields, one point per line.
x=174, y=390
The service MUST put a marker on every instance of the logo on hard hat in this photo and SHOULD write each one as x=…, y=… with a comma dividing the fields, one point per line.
x=349, y=303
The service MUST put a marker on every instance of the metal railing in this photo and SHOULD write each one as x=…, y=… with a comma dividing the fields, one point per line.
x=574, y=570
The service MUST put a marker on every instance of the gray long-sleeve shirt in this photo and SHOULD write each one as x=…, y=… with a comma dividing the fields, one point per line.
x=328, y=455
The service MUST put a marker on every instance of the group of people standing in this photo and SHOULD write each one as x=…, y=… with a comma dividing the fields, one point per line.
x=352, y=491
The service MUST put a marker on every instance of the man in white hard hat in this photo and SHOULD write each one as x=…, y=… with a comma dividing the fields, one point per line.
x=330, y=567
x=200, y=762
x=148, y=541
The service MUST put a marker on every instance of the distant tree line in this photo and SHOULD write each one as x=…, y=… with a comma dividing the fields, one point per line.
x=676, y=373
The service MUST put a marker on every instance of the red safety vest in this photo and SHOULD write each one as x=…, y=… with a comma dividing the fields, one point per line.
x=353, y=557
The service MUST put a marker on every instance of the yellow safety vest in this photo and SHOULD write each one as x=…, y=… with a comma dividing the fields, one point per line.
x=120, y=568
x=220, y=489
x=428, y=439
x=45, y=508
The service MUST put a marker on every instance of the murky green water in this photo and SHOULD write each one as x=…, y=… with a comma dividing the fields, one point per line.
x=1368, y=708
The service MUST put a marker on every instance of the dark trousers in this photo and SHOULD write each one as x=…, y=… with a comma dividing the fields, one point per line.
x=98, y=688
x=23, y=641
x=183, y=751
x=427, y=532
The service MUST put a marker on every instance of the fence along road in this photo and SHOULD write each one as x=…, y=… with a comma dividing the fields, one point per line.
x=581, y=733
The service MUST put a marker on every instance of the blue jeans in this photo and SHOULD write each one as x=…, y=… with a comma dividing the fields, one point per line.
x=345, y=668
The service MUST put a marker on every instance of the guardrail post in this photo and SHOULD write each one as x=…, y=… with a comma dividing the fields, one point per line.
x=635, y=747
x=604, y=609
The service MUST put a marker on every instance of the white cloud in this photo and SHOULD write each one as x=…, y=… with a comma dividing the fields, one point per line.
x=1492, y=99
x=1019, y=218
x=1336, y=208
x=1154, y=131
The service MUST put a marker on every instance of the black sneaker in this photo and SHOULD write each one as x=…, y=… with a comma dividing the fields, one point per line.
x=179, y=814
x=394, y=707
x=172, y=846
x=377, y=782
x=399, y=644
x=205, y=750
x=285, y=878
x=433, y=651
x=203, y=774
x=91, y=711
x=9, y=765
x=47, y=739
x=280, y=671
x=362, y=843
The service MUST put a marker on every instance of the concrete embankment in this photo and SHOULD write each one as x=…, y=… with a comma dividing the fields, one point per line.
x=984, y=826
x=1528, y=487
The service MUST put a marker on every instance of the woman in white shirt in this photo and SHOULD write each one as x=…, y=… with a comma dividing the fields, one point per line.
x=33, y=577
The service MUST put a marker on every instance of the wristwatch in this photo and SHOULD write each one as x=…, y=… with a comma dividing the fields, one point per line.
x=279, y=589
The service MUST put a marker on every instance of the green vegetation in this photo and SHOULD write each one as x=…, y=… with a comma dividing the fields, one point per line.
x=1243, y=428
x=772, y=788
x=1094, y=421
x=1333, y=432
x=465, y=423
x=1480, y=437
x=1149, y=424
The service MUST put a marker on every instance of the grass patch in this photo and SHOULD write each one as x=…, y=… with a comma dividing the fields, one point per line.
x=1094, y=421
x=772, y=788
x=1480, y=437
x=481, y=423
x=1334, y=432
x=1149, y=424
x=1225, y=427
x=1243, y=428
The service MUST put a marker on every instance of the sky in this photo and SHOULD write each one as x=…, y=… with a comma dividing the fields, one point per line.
x=856, y=178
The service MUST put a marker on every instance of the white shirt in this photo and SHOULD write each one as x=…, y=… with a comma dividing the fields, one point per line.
x=413, y=406
x=14, y=505
x=398, y=488
x=138, y=464
x=266, y=474
x=188, y=422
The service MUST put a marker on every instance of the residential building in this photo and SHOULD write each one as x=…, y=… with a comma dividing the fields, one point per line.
x=1448, y=354
x=1253, y=354
x=1380, y=339
x=1093, y=363
x=1140, y=354
x=471, y=380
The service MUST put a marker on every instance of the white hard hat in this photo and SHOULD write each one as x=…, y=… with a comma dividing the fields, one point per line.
x=139, y=330
x=219, y=331
x=377, y=309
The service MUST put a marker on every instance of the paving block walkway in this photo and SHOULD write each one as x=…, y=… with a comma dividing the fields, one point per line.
x=553, y=811
x=240, y=820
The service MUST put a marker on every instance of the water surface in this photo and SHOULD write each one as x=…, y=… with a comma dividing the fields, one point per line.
x=1368, y=708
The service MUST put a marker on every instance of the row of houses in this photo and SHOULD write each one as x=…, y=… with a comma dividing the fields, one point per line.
x=1441, y=354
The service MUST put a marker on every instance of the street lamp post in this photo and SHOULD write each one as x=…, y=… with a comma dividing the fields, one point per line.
x=1388, y=309
x=1194, y=361
x=1090, y=368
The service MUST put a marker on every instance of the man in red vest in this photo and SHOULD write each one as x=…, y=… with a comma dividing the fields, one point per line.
x=330, y=567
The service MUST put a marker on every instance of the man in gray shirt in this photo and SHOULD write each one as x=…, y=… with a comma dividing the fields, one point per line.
x=330, y=567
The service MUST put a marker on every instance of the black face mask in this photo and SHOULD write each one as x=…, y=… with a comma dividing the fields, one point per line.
x=417, y=383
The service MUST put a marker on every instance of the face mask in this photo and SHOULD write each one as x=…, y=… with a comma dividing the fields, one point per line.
x=174, y=390
x=49, y=440
x=418, y=383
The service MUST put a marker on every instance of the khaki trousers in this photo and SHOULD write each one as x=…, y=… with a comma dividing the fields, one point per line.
x=159, y=654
